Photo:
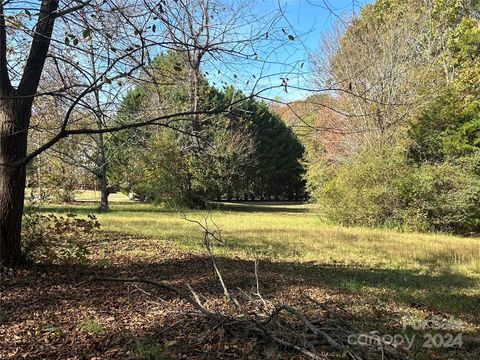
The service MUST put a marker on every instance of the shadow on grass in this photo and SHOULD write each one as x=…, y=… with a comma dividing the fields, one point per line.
x=444, y=291
x=118, y=207
x=62, y=295
x=260, y=206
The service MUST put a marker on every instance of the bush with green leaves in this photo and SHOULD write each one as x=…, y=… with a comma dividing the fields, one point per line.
x=364, y=189
x=443, y=197
x=381, y=187
x=52, y=238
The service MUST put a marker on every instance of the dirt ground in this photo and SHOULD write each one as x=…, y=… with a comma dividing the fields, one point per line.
x=56, y=312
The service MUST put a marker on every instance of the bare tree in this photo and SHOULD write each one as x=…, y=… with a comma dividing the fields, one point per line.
x=125, y=35
x=373, y=66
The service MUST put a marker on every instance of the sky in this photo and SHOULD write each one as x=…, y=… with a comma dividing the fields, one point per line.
x=306, y=21
x=309, y=19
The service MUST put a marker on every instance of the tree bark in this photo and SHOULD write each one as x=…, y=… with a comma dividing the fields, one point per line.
x=13, y=147
x=15, y=113
x=104, y=191
x=104, y=206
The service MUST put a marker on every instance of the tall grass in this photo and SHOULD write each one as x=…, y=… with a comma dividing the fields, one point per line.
x=433, y=269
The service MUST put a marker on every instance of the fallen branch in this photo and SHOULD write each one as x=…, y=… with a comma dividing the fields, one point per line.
x=268, y=325
x=302, y=335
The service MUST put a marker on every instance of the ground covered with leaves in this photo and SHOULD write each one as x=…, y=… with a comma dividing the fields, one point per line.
x=59, y=312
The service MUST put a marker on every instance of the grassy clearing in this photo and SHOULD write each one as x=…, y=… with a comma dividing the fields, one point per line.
x=93, y=195
x=369, y=278
x=86, y=195
x=432, y=271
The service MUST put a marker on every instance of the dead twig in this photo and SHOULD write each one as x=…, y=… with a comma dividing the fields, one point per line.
x=285, y=325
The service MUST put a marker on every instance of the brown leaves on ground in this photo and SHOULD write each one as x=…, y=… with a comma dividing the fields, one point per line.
x=54, y=312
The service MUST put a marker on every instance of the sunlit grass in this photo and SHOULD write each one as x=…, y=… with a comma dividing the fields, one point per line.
x=83, y=195
x=293, y=232
x=432, y=269
x=95, y=195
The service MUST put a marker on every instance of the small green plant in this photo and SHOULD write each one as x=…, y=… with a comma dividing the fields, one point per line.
x=351, y=285
x=53, y=238
x=148, y=349
x=91, y=326
x=53, y=331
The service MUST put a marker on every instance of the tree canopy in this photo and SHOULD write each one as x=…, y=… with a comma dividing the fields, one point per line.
x=248, y=153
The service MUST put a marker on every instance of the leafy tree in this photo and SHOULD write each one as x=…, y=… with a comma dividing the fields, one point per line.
x=174, y=169
x=247, y=153
x=407, y=76
x=450, y=125
x=278, y=154
x=447, y=128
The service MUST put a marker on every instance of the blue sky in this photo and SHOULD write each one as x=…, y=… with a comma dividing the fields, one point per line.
x=311, y=17
x=307, y=20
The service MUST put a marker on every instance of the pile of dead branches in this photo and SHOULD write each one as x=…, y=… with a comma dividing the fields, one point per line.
x=281, y=324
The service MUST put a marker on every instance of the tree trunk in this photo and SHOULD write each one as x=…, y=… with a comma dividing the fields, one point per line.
x=15, y=112
x=104, y=192
x=13, y=147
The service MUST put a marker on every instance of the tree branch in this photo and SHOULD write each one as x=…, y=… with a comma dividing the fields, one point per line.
x=5, y=85
x=39, y=48
x=66, y=11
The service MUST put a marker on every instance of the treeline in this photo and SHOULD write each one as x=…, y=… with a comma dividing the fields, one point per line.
x=232, y=147
x=235, y=148
x=395, y=142
x=399, y=141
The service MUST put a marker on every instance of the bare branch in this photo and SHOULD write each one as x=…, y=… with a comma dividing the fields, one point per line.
x=38, y=51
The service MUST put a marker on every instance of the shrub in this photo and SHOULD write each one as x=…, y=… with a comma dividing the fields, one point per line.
x=53, y=239
x=443, y=197
x=380, y=187
x=364, y=190
x=91, y=326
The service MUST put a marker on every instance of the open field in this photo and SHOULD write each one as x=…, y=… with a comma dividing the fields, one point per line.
x=376, y=276
x=87, y=195
x=93, y=195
